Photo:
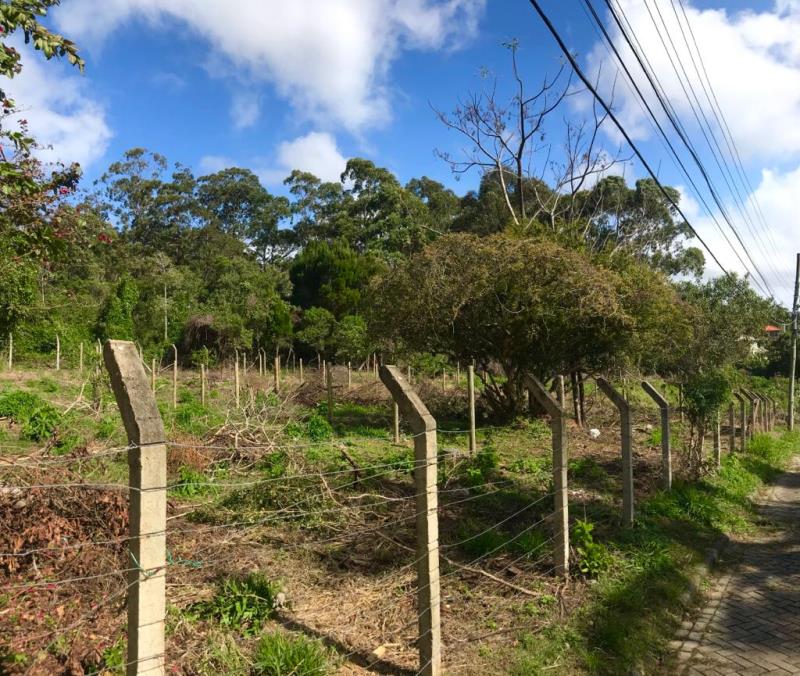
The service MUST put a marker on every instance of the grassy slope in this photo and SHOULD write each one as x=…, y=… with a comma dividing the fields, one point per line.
x=635, y=606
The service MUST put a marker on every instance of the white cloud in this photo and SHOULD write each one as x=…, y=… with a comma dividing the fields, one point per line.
x=59, y=111
x=753, y=62
x=245, y=109
x=773, y=253
x=316, y=152
x=210, y=164
x=329, y=58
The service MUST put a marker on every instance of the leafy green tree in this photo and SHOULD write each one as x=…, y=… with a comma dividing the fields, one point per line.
x=116, y=319
x=24, y=16
x=350, y=339
x=317, y=329
x=516, y=306
x=332, y=276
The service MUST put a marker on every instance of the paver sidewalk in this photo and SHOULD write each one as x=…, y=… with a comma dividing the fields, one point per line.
x=752, y=623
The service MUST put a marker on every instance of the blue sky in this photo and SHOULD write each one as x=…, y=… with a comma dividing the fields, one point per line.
x=273, y=86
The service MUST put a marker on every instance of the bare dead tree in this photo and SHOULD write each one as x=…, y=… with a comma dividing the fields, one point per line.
x=509, y=138
x=502, y=136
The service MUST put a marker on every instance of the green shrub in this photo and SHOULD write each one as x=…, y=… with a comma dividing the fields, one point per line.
x=40, y=424
x=280, y=655
x=106, y=427
x=190, y=483
x=243, y=604
x=67, y=444
x=193, y=418
x=593, y=557
x=481, y=467
x=318, y=428
x=19, y=405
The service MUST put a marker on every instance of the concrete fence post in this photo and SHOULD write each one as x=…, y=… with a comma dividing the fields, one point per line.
x=396, y=422
x=626, y=433
x=717, y=440
x=743, y=420
x=329, y=386
x=203, y=384
x=301, y=370
x=753, y=423
x=277, y=367
x=561, y=395
x=473, y=442
x=58, y=353
x=80, y=357
x=423, y=426
x=731, y=429
x=666, y=451
x=174, y=376
x=558, y=425
x=10, y=351
x=147, y=508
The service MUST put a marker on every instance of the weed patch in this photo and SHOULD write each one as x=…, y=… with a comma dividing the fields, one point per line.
x=277, y=655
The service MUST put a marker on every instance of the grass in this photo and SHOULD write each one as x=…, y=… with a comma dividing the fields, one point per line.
x=280, y=655
x=634, y=608
x=242, y=603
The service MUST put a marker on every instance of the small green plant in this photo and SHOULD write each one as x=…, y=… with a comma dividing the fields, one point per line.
x=193, y=418
x=190, y=483
x=318, y=428
x=106, y=427
x=67, y=443
x=40, y=425
x=279, y=655
x=243, y=604
x=112, y=659
x=593, y=557
x=293, y=430
x=481, y=466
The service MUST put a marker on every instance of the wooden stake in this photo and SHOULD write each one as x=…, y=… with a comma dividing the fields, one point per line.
x=58, y=353
x=473, y=442
x=349, y=376
x=174, y=376
x=80, y=358
x=277, y=366
x=153, y=376
x=203, y=384
x=236, y=381
x=329, y=383
x=396, y=427
x=301, y=370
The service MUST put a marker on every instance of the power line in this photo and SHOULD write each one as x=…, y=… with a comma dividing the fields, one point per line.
x=681, y=131
x=713, y=143
x=606, y=39
x=724, y=126
x=586, y=82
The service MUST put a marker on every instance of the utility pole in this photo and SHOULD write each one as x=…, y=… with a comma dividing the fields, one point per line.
x=790, y=412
